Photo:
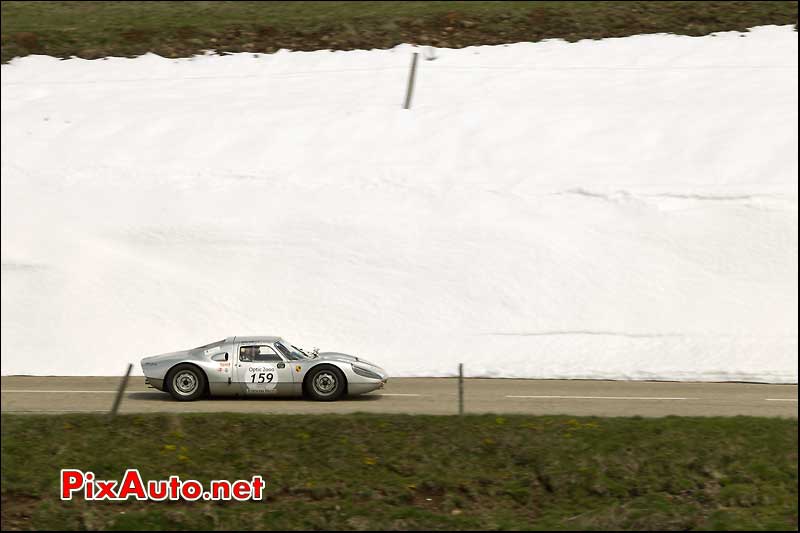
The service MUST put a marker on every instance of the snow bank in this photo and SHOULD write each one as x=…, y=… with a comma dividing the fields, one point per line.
x=623, y=209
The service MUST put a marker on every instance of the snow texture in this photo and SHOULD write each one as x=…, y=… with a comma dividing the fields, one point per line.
x=622, y=209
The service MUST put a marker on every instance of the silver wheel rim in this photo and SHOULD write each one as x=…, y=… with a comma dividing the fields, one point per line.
x=325, y=383
x=185, y=382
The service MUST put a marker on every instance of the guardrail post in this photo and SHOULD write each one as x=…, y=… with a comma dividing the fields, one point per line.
x=411, y=77
x=122, y=386
x=460, y=388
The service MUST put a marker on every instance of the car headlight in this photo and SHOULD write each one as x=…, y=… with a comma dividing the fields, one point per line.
x=365, y=373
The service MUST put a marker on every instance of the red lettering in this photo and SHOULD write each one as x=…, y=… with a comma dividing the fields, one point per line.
x=88, y=486
x=191, y=490
x=258, y=487
x=105, y=490
x=241, y=490
x=220, y=490
x=132, y=485
x=174, y=487
x=71, y=480
x=158, y=490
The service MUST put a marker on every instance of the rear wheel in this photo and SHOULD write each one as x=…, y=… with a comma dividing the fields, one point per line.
x=326, y=383
x=186, y=382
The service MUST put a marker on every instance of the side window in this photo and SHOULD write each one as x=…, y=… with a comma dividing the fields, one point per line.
x=259, y=354
x=246, y=353
x=266, y=353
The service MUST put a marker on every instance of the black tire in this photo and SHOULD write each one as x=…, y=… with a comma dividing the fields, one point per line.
x=325, y=383
x=186, y=382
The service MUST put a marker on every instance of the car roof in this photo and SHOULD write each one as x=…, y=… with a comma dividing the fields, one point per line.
x=251, y=338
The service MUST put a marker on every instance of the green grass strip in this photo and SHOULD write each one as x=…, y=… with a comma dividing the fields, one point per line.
x=413, y=472
x=180, y=29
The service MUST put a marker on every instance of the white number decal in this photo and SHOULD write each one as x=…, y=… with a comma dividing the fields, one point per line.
x=261, y=378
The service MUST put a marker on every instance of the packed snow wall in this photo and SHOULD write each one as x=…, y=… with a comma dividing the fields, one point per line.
x=623, y=208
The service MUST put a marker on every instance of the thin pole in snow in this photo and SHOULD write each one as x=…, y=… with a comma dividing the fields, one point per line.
x=411, y=77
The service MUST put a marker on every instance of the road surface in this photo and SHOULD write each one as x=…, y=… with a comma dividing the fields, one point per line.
x=425, y=396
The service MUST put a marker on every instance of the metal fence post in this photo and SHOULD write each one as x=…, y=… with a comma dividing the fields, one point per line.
x=460, y=388
x=122, y=386
x=411, y=77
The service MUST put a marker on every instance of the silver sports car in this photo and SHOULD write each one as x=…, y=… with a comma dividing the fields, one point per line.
x=260, y=366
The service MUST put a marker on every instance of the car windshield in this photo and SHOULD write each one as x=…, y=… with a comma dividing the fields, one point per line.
x=291, y=352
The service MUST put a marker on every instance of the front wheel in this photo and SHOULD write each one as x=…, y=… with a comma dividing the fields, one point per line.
x=186, y=382
x=326, y=384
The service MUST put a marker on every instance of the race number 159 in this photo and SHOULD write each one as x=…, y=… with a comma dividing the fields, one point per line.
x=261, y=377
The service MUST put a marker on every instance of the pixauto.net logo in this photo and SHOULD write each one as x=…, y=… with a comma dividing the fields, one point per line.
x=132, y=486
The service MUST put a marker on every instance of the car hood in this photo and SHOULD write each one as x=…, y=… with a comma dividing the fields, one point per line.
x=345, y=357
x=155, y=359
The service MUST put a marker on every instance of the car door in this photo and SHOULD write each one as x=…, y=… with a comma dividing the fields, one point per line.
x=262, y=371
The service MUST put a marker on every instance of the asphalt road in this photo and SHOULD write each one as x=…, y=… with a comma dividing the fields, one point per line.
x=425, y=396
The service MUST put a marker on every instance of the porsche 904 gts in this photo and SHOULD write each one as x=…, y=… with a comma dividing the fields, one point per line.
x=260, y=366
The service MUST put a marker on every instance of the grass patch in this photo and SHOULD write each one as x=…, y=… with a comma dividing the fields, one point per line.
x=179, y=29
x=413, y=472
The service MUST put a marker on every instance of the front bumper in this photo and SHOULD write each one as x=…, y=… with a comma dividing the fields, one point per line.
x=154, y=383
x=363, y=388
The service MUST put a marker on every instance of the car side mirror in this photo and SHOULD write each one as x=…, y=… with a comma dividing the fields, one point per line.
x=220, y=357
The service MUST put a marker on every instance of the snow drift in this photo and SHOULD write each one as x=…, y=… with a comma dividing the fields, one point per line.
x=624, y=208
